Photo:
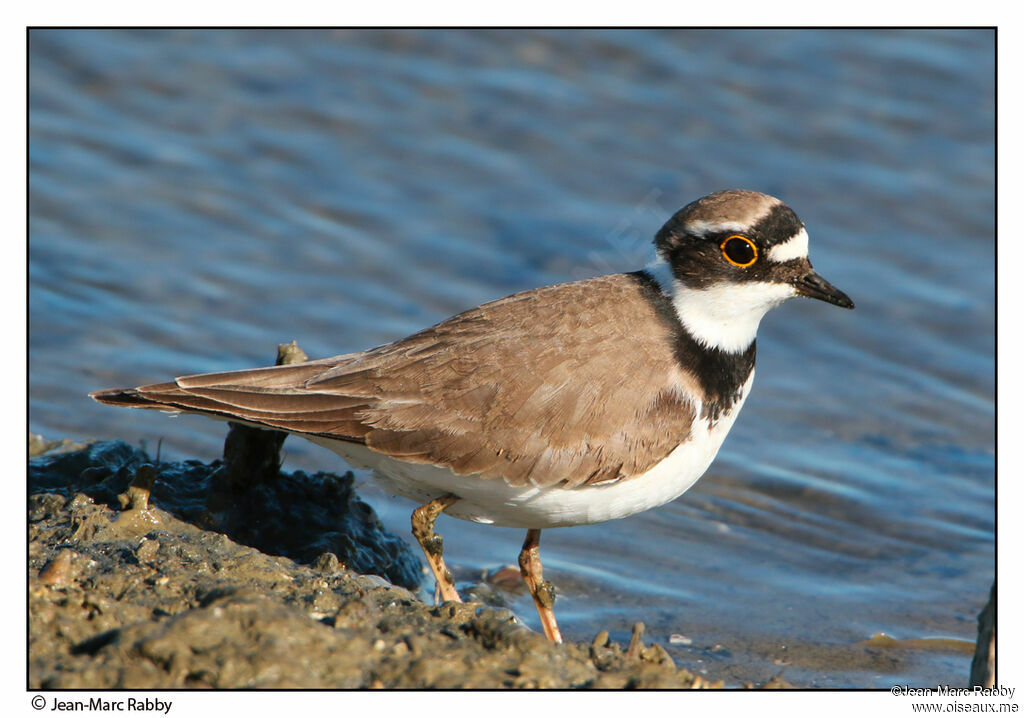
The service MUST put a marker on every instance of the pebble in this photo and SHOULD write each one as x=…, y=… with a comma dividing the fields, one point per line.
x=147, y=549
x=326, y=562
x=370, y=582
x=58, y=572
x=507, y=578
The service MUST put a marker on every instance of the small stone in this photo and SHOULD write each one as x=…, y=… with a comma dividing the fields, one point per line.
x=507, y=578
x=326, y=562
x=371, y=581
x=147, y=550
x=402, y=594
x=58, y=572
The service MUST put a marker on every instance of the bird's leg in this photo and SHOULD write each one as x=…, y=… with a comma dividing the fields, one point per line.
x=423, y=520
x=543, y=592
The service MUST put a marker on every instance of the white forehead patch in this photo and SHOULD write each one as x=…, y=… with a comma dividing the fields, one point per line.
x=793, y=248
x=701, y=227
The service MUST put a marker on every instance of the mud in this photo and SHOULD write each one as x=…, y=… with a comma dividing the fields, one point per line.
x=180, y=575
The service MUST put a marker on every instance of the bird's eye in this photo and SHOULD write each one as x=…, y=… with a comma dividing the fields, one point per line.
x=739, y=251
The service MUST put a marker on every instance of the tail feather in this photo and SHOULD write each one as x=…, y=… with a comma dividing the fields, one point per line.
x=131, y=398
x=271, y=397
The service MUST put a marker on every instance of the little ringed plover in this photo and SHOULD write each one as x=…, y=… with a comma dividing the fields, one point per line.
x=559, y=406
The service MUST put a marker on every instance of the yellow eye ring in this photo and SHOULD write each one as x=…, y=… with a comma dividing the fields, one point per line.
x=742, y=253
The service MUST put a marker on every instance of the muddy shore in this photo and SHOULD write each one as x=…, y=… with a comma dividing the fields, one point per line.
x=182, y=575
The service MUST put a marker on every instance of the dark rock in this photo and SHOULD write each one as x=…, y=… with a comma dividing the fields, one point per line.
x=983, y=666
x=296, y=515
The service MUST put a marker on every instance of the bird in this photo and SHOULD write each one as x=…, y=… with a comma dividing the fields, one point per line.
x=564, y=405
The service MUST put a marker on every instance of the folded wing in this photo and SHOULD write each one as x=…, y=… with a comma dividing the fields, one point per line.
x=572, y=384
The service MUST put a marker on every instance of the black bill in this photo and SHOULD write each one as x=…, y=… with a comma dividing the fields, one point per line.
x=812, y=285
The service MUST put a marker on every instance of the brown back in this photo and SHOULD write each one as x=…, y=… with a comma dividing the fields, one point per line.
x=575, y=383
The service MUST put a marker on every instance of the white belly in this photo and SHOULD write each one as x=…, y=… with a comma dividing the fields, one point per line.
x=493, y=501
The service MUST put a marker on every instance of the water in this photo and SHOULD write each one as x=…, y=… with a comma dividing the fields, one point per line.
x=197, y=197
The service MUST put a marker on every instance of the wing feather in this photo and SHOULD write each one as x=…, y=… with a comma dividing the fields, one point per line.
x=573, y=384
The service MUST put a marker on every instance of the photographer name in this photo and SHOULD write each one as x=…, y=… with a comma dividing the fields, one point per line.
x=129, y=704
x=953, y=691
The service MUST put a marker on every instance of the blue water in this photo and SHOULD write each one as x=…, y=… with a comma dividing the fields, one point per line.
x=197, y=197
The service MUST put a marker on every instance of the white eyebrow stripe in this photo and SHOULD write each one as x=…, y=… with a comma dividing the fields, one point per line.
x=793, y=248
x=702, y=227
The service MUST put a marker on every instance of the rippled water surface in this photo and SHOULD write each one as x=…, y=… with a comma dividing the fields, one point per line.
x=198, y=197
